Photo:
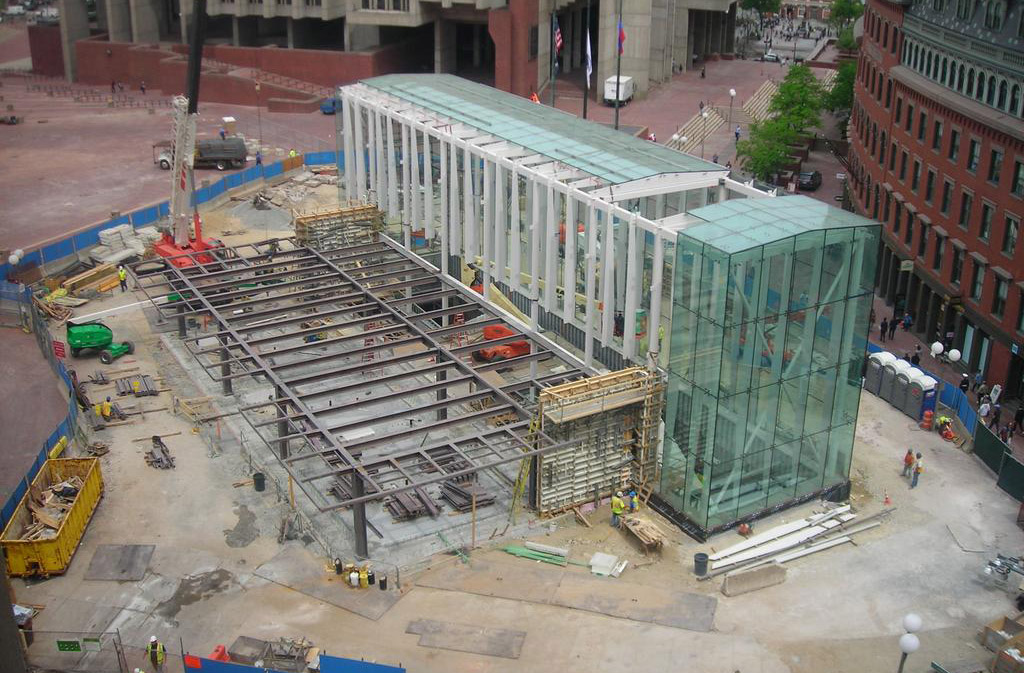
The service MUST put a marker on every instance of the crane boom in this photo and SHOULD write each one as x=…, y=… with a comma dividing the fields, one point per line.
x=182, y=153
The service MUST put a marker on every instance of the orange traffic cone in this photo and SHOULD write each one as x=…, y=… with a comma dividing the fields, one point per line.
x=887, y=500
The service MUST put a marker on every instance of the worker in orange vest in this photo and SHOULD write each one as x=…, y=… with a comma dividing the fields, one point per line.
x=534, y=97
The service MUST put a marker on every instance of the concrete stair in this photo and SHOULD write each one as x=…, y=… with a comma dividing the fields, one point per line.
x=758, y=106
x=695, y=130
x=829, y=80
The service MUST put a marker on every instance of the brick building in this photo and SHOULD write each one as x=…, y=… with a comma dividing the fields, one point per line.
x=937, y=156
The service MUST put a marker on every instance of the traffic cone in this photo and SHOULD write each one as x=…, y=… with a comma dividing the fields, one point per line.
x=887, y=500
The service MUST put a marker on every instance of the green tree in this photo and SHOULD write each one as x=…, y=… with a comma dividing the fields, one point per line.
x=845, y=11
x=767, y=148
x=762, y=7
x=846, y=41
x=840, y=96
x=799, y=100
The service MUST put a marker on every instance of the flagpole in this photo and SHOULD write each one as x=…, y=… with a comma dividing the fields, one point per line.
x=618, y=65
x=590, y=60
x=554, y=55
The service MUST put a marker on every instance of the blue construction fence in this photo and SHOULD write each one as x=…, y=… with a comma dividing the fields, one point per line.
x=65, y=430
x=949, y=394
x=328, y=664
x=150, y=214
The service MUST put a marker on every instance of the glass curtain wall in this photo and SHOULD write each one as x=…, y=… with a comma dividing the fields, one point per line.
x=764, y=366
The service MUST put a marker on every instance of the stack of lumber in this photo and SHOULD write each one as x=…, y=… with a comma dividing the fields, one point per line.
x=54, y=311
x=405, y=505
x=650, y=536
x=49, y=506
x=193, y=408
x=100, y=278
x=460, y=495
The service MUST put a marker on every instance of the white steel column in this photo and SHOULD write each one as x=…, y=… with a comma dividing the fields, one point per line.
x=382, y=181
x=455, y=225
x=406, y=190
x=442, y=150
x=551, y=252
x=469, y=203
x=590, y=227
x=535, y=237
x=500, y=222
x=632, y=291
x=607, y=279
x=487, y=255
x=357, y=121
x=371, y=150
x=428, y=194
x=654, y=319
x=415, y=188
x=515, y=235
x=350, y=150
x=569, y=275
x=393, y=212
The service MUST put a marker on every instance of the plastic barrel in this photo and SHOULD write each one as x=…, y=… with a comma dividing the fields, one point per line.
x=259, y=481
x=700, y=564
x=383, y=582
x=371, y=577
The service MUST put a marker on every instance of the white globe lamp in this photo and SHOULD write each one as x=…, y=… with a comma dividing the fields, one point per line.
x=937, y=348
x=954, y=355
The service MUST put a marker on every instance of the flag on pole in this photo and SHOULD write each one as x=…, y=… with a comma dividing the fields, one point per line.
x=590, y=67
x=558, y=36
x=622, y=36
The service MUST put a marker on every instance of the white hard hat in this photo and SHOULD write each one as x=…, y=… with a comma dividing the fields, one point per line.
x=152, y=639
x=618, y=493
x=138, y=670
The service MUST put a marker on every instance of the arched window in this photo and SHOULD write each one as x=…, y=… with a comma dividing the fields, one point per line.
x=1003, y=90
x=960, y=79
x=990, y=97
x=995, y=13
x=1015, y=100
x=928, y=66
x=979, y=91
x=945, y=64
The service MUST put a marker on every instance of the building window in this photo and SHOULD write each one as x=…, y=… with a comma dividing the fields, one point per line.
x=986, y=221
x=995, y=12
x=899, y=109
x=922, y=242
x=964, y=9
x=910, y=118
x=922, y=125
x=977, y=280
x=897, y=219
x=881, y=151
x=929, y=186
x=995, y=166
x=947, y=197
x=1018, y=179
x=534, y=42
x=903, y=166
x=915, y=181
x=940, y=248
x=973, y=155
x=908, y=234
x=892, y=158
x=957, y=266
x=937, y=136
x=1020, y=311
x=954, y=145
x=999, y=297
x=888, y=94
x=886, y=206
x=1010, y=235
x=966, y=206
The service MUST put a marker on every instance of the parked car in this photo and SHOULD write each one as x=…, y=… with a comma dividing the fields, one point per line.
x=330, y=106
x=809, y=180
x=15, y=10
x=771, y=57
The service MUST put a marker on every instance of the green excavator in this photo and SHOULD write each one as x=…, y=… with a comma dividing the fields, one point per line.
x=97, y=336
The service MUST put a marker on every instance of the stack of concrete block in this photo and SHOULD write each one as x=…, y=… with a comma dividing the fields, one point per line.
x=122, y=242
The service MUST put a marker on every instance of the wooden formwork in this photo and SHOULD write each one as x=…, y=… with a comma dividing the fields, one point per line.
x=338, y=227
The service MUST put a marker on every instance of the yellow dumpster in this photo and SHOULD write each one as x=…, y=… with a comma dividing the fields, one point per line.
x=42, y=536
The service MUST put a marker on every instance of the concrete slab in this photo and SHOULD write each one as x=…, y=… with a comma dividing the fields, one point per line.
x=300, y=571
x=120, y=562
x=535, y=583
x=467, y=638
x=637, y=602
x=745, y=581
x=966, y=537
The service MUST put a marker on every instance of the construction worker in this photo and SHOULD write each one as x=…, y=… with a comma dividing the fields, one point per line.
x=534, y=97
x=618, y=506
x=292, y=154
x=106, y=409
x=634, y=502
x=156, y=652
x=918, y=469
x=908, y=463
x=122, y=277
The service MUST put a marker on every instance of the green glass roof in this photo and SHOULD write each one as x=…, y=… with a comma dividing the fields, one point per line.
x=595, y=149
x=741, y=224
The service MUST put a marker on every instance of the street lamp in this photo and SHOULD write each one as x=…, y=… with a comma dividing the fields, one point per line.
x=732, y=97
x=704, y=133
x=909, y=642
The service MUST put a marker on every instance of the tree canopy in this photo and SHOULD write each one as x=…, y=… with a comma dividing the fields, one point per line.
x=840, y=97
x=845, y=11
x=799, y=100
x=762, y=7
x=767, y=148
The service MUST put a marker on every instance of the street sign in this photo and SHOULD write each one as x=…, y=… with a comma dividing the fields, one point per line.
x=69, y=645
x=58, y=348
x=840, y=176
x=907, y=265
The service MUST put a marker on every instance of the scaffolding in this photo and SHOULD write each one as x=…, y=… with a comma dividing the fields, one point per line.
x=329, y=229
x=614, y=419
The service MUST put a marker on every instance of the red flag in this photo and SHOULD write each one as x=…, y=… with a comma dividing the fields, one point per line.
x=622, y=36
x=558, y=37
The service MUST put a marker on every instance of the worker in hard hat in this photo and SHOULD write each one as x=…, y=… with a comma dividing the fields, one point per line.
x=106, y=409
x=618, y=506
x=156, y=652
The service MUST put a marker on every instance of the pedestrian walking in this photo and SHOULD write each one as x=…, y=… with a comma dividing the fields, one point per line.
x=997, y=415
x=223, y=133
x=1018, y=419
x=908, y=322
x=964, y=384
x=737, y=132
x=915, y=359
x=120, y=87
x=981, y=391
x=918, y=469
x=142, y=87
x=884, y=329
x=617, y=508
x=259, y=158
x=908, y=463
x=156, y=653
x=728, y=164
x=700, y=106
x=122, y=277
x=978, y=379
x=893, y=324
x=703, y=72
x=113, y=86
x=714, y=159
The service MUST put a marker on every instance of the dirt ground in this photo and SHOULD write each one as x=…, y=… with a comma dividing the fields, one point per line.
x=218, y=570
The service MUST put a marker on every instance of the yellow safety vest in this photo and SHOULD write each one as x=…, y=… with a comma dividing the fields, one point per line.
x=617, y=505
x=159, y=649
x=122, y=274
x=105, y=409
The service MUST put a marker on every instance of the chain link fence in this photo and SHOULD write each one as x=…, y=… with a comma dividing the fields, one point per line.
x=95, y=652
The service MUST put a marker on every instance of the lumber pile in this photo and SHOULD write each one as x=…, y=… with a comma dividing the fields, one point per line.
x=159, y=456
x=54, y=311
x=649, y=535
x=91, y=279
x=460, y=495
x=193, y=408
x=48, y=507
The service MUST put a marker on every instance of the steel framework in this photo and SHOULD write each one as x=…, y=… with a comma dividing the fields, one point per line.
x=373, y=363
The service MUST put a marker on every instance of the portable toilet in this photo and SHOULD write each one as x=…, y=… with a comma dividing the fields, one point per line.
x=873, y=376
x=922, y=392
x=889, y=372
x=900, y=386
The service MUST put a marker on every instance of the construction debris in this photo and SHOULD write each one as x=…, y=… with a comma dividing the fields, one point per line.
x=405, y=505
x=326, y=230
x=607, y=565
x=533, y=555
x=139, y=386
x=48, y=507
x=460, y=495
x=649, y=535
x=58, y=313
x=98, y=449
x=159, y=456
x=194, y=408
x=547, y=549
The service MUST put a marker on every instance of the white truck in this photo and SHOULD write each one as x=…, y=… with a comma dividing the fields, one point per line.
x=627, y=87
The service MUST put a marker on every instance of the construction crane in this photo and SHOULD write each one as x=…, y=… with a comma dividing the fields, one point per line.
x=178, y=239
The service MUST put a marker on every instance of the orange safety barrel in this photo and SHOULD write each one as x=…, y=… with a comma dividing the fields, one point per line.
x=926, y=422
